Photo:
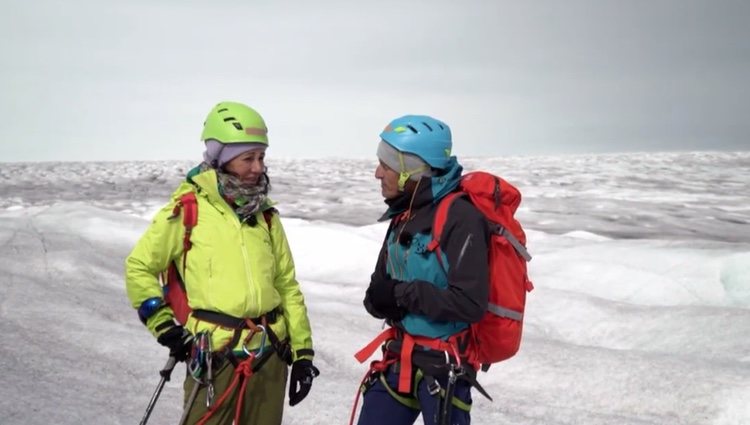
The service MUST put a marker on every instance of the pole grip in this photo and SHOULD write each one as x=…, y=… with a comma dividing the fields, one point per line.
x=166, y=371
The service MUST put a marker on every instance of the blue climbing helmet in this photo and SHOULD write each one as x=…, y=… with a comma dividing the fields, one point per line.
x=423, y=136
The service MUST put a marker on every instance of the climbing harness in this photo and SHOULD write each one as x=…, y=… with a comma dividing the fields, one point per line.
x=204, y=359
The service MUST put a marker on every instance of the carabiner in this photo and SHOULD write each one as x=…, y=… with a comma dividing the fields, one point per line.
x=200, y=353
x=262, y=342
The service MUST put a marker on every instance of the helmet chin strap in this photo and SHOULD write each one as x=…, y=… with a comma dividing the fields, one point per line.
x=404, y=175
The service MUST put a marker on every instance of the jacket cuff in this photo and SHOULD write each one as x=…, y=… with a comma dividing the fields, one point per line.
x=304, y=353
x=155, y=322
x=399, y=291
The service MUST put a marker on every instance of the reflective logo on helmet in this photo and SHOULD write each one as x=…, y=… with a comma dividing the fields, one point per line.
x=254, y=131
x=399, y=129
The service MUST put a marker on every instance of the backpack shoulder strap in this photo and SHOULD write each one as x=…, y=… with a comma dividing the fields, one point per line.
x=175, y=291
x=438, y=224
x=499, y=229
x=268, y=216
x=187, y=205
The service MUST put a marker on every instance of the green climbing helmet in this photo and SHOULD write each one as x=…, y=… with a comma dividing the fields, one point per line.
x=232, y=122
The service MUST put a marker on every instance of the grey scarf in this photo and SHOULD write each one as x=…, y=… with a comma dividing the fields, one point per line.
x=245, y=200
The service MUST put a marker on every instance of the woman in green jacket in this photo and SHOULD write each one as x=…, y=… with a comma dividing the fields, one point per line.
x=248, y=318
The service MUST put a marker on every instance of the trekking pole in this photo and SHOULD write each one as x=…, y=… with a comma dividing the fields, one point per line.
x=166, y=374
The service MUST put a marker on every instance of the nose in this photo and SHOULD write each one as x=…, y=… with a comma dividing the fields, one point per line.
x=379, y=172
x=256, y=167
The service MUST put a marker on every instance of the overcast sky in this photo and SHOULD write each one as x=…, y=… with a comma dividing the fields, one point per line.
x=95, y=80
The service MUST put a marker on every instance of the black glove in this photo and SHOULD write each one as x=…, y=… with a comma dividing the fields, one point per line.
x=302, y=375
x=383, y=298
x=178, y=340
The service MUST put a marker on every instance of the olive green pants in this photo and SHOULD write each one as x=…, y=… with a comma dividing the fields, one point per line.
x=262, y=404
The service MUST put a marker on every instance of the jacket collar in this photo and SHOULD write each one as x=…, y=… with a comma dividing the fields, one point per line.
x=208, y=184
x=429, y=191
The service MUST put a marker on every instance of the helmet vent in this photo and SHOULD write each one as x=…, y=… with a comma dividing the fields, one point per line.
x=222, y=110
x=230, y=119
x=441, y=126
x=412, y=129
x=426, y=125
x=237, y=125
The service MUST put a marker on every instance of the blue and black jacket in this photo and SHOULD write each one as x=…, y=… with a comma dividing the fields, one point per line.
x=438, y=303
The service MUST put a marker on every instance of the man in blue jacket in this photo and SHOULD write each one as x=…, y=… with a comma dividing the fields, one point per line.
x=428, y=302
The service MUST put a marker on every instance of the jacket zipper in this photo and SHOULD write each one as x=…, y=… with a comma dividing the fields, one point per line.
x=248, y=271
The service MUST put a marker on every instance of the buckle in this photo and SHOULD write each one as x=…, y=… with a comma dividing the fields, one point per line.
x=433, y=387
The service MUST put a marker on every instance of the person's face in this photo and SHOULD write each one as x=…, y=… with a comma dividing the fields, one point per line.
x=388, y=180
x=247, y=166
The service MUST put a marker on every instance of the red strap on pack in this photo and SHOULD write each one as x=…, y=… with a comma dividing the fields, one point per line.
x=268, y=216
x=189, y=217
x=188, y=205
x=441, y=215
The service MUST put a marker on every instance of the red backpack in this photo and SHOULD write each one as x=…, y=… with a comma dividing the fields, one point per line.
x=175, y=294
x=497, y=336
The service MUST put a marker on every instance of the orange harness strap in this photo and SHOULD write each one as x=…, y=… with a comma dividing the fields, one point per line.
x=407, y=349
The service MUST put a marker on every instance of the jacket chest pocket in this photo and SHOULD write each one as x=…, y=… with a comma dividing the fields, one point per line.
x=409, y=259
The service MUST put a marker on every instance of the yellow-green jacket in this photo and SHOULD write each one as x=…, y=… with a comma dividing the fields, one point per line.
x=232, y=268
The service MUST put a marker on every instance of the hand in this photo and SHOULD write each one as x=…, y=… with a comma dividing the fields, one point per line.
x=178, y=340
x=302, y=375
x=383, y=297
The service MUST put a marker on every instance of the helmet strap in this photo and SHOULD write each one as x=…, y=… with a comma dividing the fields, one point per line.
x=402, y=179
x=404, y=175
